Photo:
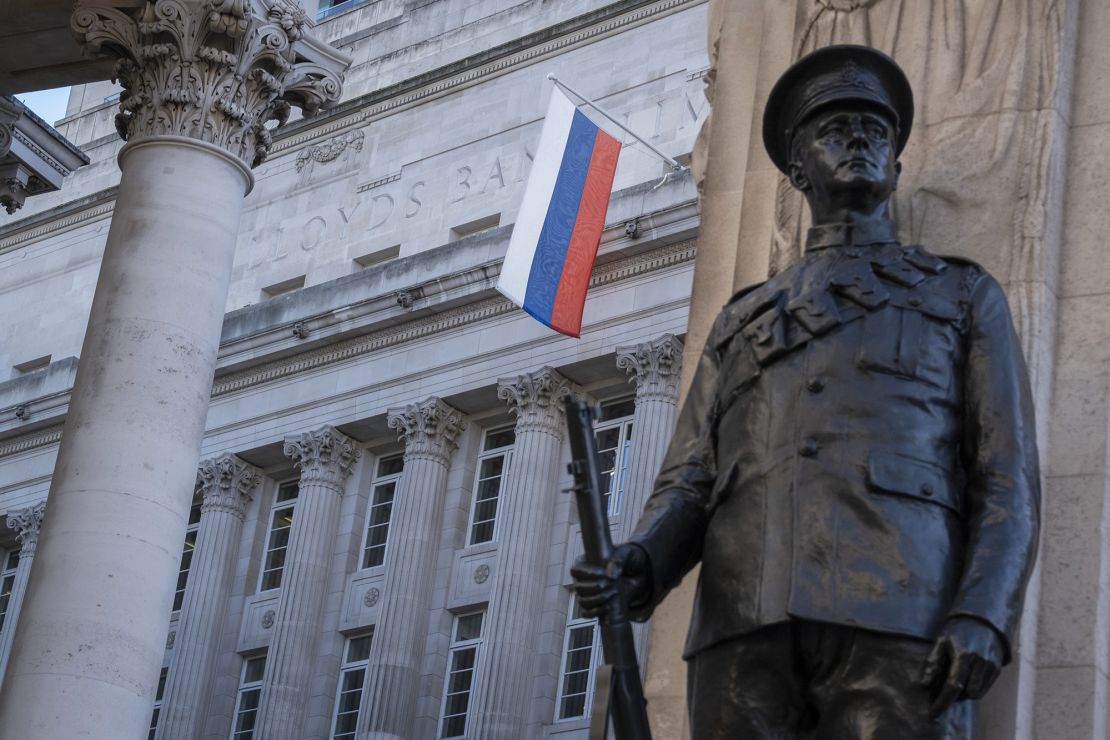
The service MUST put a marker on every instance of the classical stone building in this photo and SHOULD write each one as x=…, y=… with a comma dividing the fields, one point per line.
x=378, y=545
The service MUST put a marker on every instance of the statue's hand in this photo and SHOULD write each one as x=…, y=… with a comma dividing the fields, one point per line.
x=965, y=661
x=596, y=585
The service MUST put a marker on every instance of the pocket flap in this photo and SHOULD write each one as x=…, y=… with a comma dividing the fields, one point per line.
x=891, y=472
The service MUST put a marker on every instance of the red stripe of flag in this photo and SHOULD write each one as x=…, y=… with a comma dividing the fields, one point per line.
x=570, y=297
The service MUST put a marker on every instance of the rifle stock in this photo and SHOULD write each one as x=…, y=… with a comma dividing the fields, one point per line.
x=626, y=700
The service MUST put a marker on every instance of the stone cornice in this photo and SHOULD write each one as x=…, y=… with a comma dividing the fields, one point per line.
x=428, y=428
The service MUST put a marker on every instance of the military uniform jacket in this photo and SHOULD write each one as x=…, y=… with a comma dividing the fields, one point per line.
x=857, y=447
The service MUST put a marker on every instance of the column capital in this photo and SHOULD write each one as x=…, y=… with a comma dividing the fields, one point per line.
x=227, y=484
x=323, y=456
x=536, y=399
x=429, y=428
x=212, y=70
x=26, y=523
x=656, y=366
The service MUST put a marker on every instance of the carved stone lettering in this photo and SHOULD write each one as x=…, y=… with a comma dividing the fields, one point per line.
x=313, y=234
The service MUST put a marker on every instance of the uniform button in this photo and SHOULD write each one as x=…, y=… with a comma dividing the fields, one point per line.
x=808, y=448
x=914, y=300
x=926, y=489
x=815, y=385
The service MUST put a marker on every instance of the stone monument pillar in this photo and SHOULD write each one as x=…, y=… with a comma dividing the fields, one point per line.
x=325, y=458
x=429, y=430
x=26, y=523
x=201, y=80
x=227, y=484
x=512, y=624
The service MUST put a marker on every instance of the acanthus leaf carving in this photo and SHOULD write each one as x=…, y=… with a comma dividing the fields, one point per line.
x=536, y=399
x=429, y=428
x=656, y=366
x=324, y=456
x=26, y=523
x=227, y=484
x=214, y=70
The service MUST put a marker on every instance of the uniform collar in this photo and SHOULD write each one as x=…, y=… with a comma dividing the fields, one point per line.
x=876, y=231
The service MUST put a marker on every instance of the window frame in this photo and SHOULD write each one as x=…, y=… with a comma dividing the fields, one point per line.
x=456, y=647
x=348, y=666
x=159, y=695
x=486, y=454
x=615, y=496
x=577, y=622
x=7, y=579
x=245, y=687
x=187, y=547
x=380, y=480
x=267, y=548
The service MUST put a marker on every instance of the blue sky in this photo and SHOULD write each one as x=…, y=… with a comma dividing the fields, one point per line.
x=49, y=105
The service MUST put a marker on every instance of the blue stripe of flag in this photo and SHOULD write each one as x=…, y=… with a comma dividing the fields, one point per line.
x=551, y=250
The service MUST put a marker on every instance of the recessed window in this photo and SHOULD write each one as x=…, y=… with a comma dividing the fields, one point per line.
x=187, y=556
x=157, y=703
x=493, y=468
x=352, y=680
x=378, y=257
x=462, y=666
x=281, y=521
x=331, y=7
x=30, y=366
x=580, y=657
x=473, y=227
x=285, y=286
x=246, y=703
x=614, y=445
x=382, y=491
x=7, y=583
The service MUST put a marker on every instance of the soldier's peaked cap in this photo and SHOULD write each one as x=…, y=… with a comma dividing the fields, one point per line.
x=835, y=74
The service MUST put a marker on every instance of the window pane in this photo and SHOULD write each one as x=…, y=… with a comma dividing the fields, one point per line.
x=392, y=465
x=254, y=670
x=359, y=649
x=500, y=438
x=618, y=409
x=470, y=627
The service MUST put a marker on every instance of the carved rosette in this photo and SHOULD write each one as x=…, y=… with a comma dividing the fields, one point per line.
x=227, y=484
x=212, y=70
x=26, y=523
x=655, y=366
x=429, y=429
x=536, y=399
x=324, y=456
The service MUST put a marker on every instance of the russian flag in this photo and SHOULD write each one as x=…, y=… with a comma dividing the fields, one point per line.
x=554, y=242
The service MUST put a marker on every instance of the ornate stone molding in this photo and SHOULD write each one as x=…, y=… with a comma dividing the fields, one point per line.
x=329, y=150
x=227, y=484
x=429, y=429
x=324, y=456
x=536, y=399
x=26, y=523
x=655, y=366
x=212, y=70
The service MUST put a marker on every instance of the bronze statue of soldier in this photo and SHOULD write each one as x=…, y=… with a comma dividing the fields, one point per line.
x=855, y=466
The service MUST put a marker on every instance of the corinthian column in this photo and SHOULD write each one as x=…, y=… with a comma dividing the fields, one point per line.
x=201, y=79
x=325, y=458
x=227, y=484
x=26, y=523
x=512, y=624
x=429, y=430
x=656, y=367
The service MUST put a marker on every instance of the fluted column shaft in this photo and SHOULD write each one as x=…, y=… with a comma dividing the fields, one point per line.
x=26, y=523
x=508, y=654
x=429, y=430
x=325, y=458
x=201, y=80
x=655, y=366
x=227, y=484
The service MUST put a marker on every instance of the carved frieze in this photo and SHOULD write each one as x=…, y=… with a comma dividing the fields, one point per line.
x=330, y=149
x=213, y=70
x=429, y=428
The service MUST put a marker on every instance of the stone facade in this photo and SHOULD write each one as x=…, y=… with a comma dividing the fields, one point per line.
x=361, y=332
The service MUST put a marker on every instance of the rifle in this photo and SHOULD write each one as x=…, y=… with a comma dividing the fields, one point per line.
x=625, y=693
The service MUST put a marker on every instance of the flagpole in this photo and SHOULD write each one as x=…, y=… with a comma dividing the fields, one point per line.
x=674, y=165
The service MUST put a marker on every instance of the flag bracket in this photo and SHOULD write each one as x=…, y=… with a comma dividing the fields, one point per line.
x=671, y=162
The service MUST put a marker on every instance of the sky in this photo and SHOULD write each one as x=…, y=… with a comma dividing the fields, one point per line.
x=49, y=105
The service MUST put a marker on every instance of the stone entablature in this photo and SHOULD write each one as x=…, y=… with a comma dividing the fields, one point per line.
x=34, y=158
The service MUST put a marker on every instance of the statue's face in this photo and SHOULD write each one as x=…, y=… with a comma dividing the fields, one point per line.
x=844, y=154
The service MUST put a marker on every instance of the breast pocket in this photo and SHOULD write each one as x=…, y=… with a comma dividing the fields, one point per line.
x=914, y=336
